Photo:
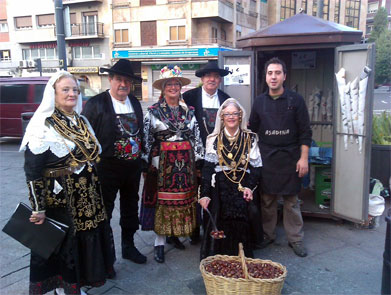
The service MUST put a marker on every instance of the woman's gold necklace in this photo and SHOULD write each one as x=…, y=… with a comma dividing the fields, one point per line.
x=75, y=136
x=234, y=166
x=233, y=144
x=73, y=132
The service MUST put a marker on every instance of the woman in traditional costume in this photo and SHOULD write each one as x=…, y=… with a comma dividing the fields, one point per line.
x=60, y=152
x=229, y=177
x=172, y=147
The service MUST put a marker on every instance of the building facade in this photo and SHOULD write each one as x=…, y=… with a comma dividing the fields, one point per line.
x=32, y=35
x=351, y=13
x=373, y=7
x=150, y=33
x=188, y=33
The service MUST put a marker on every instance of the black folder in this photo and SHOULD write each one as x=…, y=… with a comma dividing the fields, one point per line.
x=43, y=239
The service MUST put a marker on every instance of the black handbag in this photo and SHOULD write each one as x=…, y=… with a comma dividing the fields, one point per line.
x=43, y=239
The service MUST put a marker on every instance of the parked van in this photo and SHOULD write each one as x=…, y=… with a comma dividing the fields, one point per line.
x=19, y=98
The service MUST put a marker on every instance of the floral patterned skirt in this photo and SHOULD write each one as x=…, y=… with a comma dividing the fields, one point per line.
x=174, y=198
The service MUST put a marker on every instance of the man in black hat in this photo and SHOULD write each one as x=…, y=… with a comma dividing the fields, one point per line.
x=117, y=119
x=206, y=100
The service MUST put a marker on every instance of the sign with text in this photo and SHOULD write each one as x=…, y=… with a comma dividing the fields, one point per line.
x=240, y=75
x=174, y=52
x=83, y=70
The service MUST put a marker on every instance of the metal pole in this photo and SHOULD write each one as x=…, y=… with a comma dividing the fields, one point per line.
x=319, y=12
x=61, y=51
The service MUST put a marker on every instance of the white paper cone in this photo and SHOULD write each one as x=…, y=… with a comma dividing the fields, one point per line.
x=340, y=76
x=354, y=104
x=329, y=106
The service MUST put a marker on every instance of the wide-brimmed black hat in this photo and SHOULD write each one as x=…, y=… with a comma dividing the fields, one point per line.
x=210, y=67
x=122, y=67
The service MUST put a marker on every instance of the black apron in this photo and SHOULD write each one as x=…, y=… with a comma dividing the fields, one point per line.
x=279, y=147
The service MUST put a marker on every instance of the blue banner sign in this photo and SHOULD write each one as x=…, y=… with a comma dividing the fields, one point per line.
x=176, y=52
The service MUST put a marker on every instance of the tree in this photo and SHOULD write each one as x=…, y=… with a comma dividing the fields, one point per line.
x=379, y=24
x=383, y=58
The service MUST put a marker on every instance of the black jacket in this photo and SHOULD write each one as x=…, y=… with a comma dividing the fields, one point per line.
x=193, y=98
x=100, y=113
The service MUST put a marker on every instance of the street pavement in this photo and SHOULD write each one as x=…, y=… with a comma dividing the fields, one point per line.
x=344, y=258
x=382, y=99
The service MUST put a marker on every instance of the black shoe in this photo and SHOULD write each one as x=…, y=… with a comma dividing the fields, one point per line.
x=266, y=242
x=176, y=242
x=159, y=254
x=195, y=237
x=130, y=252
x=298, y=248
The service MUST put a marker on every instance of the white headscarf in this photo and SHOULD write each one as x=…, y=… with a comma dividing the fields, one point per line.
x=36, y=128
x=211, y=153
x=219, y=123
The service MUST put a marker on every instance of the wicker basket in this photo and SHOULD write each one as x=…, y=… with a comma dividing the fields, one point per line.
x=216, y=285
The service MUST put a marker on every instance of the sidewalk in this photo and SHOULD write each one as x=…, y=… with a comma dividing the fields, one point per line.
x=343, y=259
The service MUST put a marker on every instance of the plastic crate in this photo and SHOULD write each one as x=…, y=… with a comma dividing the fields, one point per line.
x=322, y=184
x=322, y=195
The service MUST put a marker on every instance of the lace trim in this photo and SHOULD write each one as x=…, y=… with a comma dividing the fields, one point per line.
x=50, y=140
x=211, y=157
x=256, y=162
x=225, y=168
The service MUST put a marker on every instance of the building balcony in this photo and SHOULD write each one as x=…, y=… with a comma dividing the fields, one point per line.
x=68, y=2
x=211, y=41
x=30, y=35
x=221, y=10
x=85, y=31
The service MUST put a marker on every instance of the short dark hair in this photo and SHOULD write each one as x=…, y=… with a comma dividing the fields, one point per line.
x=275, y=60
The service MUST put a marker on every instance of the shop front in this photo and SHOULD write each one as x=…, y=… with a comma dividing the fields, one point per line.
x=148, y=63
x=314, y=50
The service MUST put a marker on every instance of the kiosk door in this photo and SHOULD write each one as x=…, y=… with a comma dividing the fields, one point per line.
x=240, y=83
x=351, y=166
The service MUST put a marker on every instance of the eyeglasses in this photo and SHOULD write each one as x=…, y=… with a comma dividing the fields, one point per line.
x=227, y=115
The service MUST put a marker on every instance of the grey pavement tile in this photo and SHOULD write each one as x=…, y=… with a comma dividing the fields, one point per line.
x=336, y=272
x=196, y=285
x=105, y=289
x=16, y=288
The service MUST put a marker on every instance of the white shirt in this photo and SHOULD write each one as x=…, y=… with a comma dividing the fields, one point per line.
x=120, y=107
x=210, y=101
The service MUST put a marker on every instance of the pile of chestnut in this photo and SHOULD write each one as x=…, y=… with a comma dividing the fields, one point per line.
x=233, y=269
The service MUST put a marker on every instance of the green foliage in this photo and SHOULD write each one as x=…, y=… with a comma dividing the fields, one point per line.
x=381, y=129
x=379, y=24
x=383, y=58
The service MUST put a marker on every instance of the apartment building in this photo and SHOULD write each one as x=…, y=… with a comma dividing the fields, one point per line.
x=32, y=35
x=188, y=33
x=373, y=7
x=150, y=33
x=5, y=44
x=351, y=13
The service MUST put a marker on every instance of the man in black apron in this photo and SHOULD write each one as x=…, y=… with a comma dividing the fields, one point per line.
x=280, y=118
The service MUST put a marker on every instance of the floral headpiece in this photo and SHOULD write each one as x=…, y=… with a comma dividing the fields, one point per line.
x=169, y=72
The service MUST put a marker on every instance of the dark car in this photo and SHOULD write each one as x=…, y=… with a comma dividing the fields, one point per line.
x=19, y=98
